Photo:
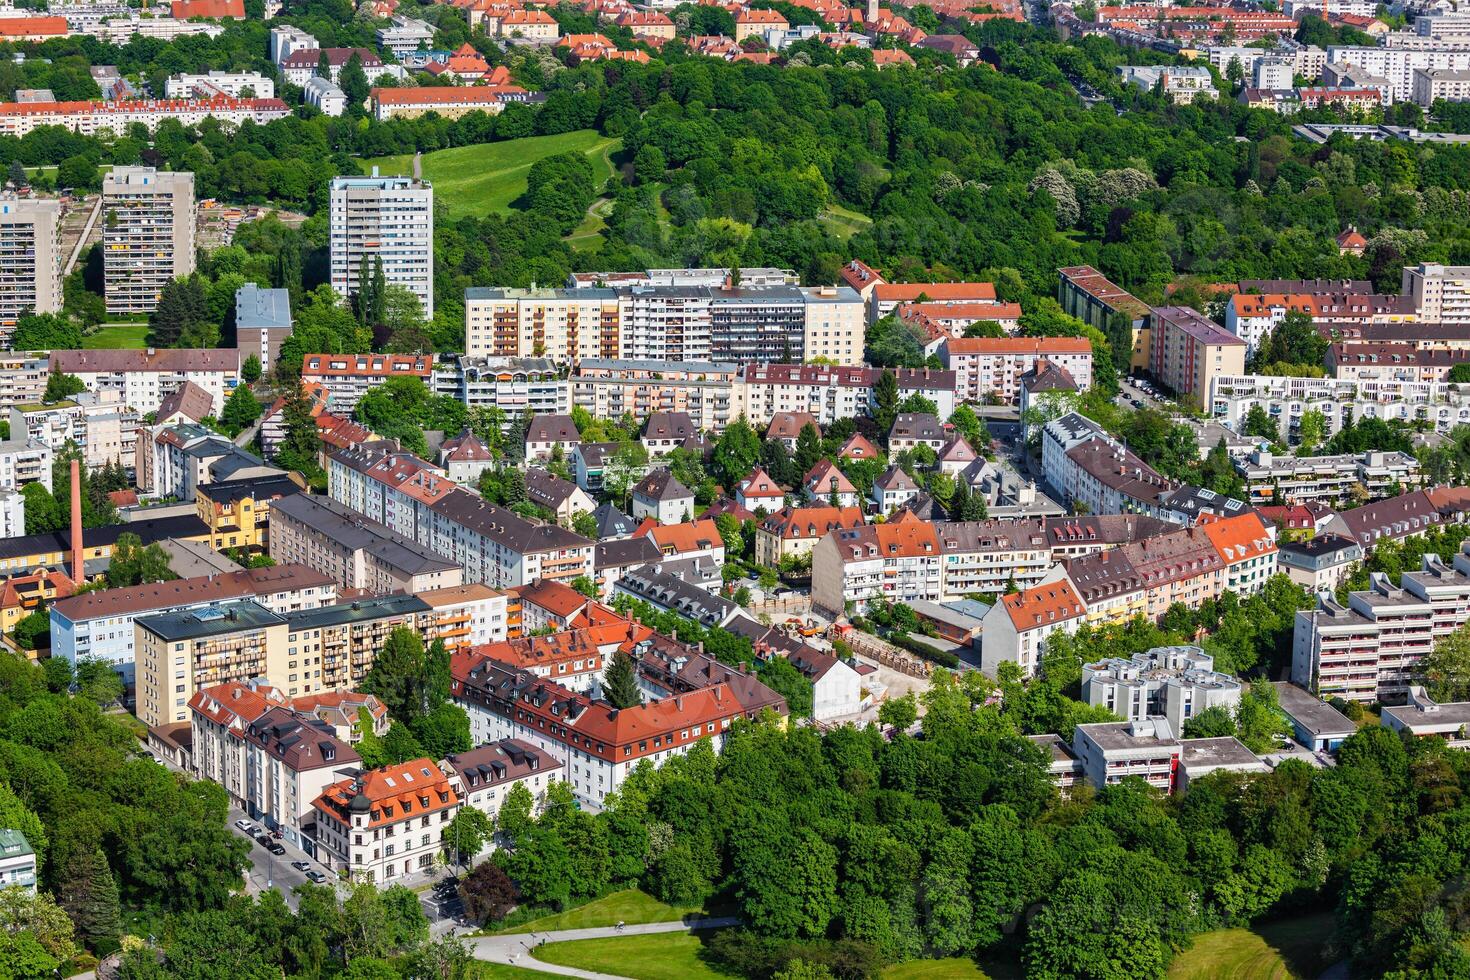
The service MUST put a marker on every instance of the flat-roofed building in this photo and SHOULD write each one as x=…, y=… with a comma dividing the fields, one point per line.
x=1092, y=298
x=262, y=323
x=1177, y=683
x=1113, y=751
x=30, y=260
x=385, y=222
x=147, y=235
x=1422, y=717
x=1188, y=351
x=347, y=377
x=1315, y=724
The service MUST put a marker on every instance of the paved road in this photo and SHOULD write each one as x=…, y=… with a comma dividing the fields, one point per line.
x=516, y=949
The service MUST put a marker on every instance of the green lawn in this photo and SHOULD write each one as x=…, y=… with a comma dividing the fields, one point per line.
x=499, y=971
x=661, y=956
x=587, y=237
x=112, y=335
x=485, y=178
x=1282, y=950
x=844, y=222
x=631, y=906
x=952, y=969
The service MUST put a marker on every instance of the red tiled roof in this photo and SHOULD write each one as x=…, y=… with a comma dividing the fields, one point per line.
x=1041, y=605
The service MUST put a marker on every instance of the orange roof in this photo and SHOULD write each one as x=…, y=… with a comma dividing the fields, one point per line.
x=225, y=704
x=560, y=600
x=675, y=539
x=528, y=17
x=901, y=292
x=1043, y=605
x=1238, y=538
x=904, y=538
x=983, y=310
x=857, y=446
x=639, y=56
x=34, y=26
x=1020, y=345
x=760, y=17
x=1351, y=238
x=891, y=56
x=589, y=645
x=184, y=9
x=759, y=484
x=642, y=18
x=820, y=478
x=397, y=793
x=811, y=522
x=573, y=40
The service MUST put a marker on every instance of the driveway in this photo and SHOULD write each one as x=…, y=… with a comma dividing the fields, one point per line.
x=516, y=950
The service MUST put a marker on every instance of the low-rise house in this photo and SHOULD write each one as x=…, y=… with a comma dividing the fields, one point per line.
x=667, y=431
x=825, y=483
x=666, y=592
x=696, y=539
x=1113, y=751
x=786, y=427
x=1202, y=756
x=546, y=432
x=858, y=446
x=912, y=429
x=1315, y=723
x=661, y=496
x=613, y=523
x=1321, y=564
x=758, y=493
x=793, y=532
x=485, y=775
x=893, y=489
x=589, y=463
x=17, y=861
x=464, y=457
x=386, y=823
x=956, y=456
x=564, y=499
x=1422, y=717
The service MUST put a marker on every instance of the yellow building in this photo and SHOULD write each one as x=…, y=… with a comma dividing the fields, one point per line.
x=27, y=554
x=236, y=513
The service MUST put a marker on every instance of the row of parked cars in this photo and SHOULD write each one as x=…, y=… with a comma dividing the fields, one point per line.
x=270, y=840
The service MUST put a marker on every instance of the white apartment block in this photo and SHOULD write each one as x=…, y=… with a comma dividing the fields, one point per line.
x=993, y=366
x=147, y=235
x=385, y=824
x=326, y=95
x=24, y=460
x=1440, y=83
x=514, y=385
x=831, y=393
x=1113, y=751
x=387, y=219
x=1176, y=683
x=99, y=118
x=142, y=379
x=704, y=390
x=12, y=514
x=1398, y=64
x=1368, y=649
x=566, y=326
x=30, y=260
x=286, y=40
x=234, y=84
x=1332, y=479
x=1441, y=293
x=484, y=776
x=96, y=423
x=1017, y=627
x=23, y=378
x=405, y=35
x=668, y=323
x=1285, y=400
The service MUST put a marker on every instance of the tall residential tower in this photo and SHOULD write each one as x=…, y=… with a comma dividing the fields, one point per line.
x=147, y=235
x=387, y=218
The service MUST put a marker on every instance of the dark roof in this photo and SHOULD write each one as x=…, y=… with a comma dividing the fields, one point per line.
x=188, y=399
x=340, y=523
x=670, y=425
x=613, y=523
x=358, y=610
x=300, y=742
x=917, y=425
x=149, y=531
x=234, y=491
x=546, y=489
x=661, y=589
x=505, y=527
x=499, y=762
x=194, y=624
x=552, y=428
x=661, y=485
x=624, y=552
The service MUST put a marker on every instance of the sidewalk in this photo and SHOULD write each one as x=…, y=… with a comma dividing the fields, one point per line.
x=516, y=950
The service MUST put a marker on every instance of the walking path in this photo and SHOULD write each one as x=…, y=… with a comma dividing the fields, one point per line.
x=516, y=950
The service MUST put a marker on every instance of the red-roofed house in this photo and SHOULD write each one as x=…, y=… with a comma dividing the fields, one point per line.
x=696, y=539
x=889, y=57
x=546, y=603
x=211, y=9
x=385, y=823
x=755, y=23
x=759, y=491
x=794, y=531
x=534, y=26
x=857, y=446
x=1017, y=626
x=646, y=23
x=862, y=277
x=1351, y=242
x=34, y=28
x=824, y=480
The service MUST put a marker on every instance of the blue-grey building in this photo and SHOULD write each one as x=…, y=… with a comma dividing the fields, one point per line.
x=262, y=322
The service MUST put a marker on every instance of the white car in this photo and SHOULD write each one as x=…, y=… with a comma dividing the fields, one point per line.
x=245, y=827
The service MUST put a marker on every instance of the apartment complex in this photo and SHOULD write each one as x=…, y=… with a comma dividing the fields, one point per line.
x=387, y=221
x=354, y=551
x=986, y=367
x=347, y=377
x=383, y=824
x=1176, y=683
x=704, y=390
x=1094, y=299
x=1397, y=65
x=1251, y=316
x=303, y=652
x=147, y=235
x=1188, y=351
x=831, y=393
x=493, y=546
x=1340, y=400
x=1017, y=627
x=1333, y=479
x=30, y=260
x=99, y=625
x=1441, y=293
x=1404, y=361
x=144, y=378
x=1367, y=650
x=92, y=118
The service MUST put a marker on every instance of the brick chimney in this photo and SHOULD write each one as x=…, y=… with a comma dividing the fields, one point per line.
x=76, y=522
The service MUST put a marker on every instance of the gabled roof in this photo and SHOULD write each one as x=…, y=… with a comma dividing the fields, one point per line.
x=788, y=425
x=811, y=523
x=918, y=426
x=552, y=428
x=188, y=400
x=612, y=523
x=546, y=489
x=759, y=484
x=958, y=450
x=660, y=485
x=465, y=448
x=857, y=446
x=825, y=477
x=670, y=425
x=1043, y=605
x=894, y=478
x=675, y=539
x=558, y=599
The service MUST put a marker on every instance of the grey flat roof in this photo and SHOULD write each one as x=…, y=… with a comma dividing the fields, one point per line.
x=359, y=610
x=1225, y=751
x=1310, y=711
x=256, y=308
x=194, y=624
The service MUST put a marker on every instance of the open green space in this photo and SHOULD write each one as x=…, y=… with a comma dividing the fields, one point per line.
x=117, y=335
x=485, y=178
x=661, y=956
x=957, y=968
x=1282, y=950
x=587, y=237
x=844, y=222
x=499, y=971
x=630, y=906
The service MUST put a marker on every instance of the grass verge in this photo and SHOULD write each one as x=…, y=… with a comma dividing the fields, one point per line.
x=1281, y=950
x=630, y=905
x=661, y=956
x=111, y=336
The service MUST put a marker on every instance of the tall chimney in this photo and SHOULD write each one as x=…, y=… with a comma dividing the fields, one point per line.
x=76, y=522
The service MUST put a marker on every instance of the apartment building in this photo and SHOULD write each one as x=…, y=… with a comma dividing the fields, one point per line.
x=234, y=84
x=19, y=119
x=1404, y=361
x=1180, y=84
x=597, y=745
x=147, y=236
x=831, y=393
x=493, y=546
x=515, y=385
x=98, y=424
x=1175, y=683
x=668, y=323
x=833, y=328
x=897, y=562
x=1094, y=299
x=30, y=260
x=1188, y=351
x=1332, y=479
x=1110, y=752
x=300, y=64
x=355, y=552
x=1423, y=717
x=793, y=532
x=661, y=496
x=666, y=592
x=447, y=101
x=986, y=367
x=886, y=297
x=347, y=377
x=262, y=323
x=703, y=390
x=1398, y=64
x=303, y=652
x=17, y=861
x=271, y=759
x=1368, y=649
x=566, y=326
x=383, y=824
x=484, y=776
x=144, y=378
x=99, y=625
x=1285, y=400
x=1017, y=627
x=1441, y=293
x=1320, y=564
x=187, y=456
x=24, y=460
x=1252, y=316
x=388, y=221
x=465, y=616
x=23, y=378
x=1087, y=467
x=405, y=35
x=1405, y=516
x=766, y=324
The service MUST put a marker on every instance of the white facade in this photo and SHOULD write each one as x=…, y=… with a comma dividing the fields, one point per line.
x=147, y=236
x=30, y=260
x=1398, y=64
x=326, y=96
x=1441, y=293
x=12, y=514
x=232, y=83
x=1285, y=400
x=389, y=219
x=24, y=460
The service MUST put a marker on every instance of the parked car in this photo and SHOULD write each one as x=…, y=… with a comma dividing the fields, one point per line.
x=263, y=839
x=275, y=848
x=245, y=826
x=315, y=877
x=301, y=865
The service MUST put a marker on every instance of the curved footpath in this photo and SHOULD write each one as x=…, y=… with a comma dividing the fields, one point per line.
x=515, y=950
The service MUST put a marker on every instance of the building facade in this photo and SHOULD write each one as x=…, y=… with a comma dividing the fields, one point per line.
x=387, y=220
x=147, y=235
